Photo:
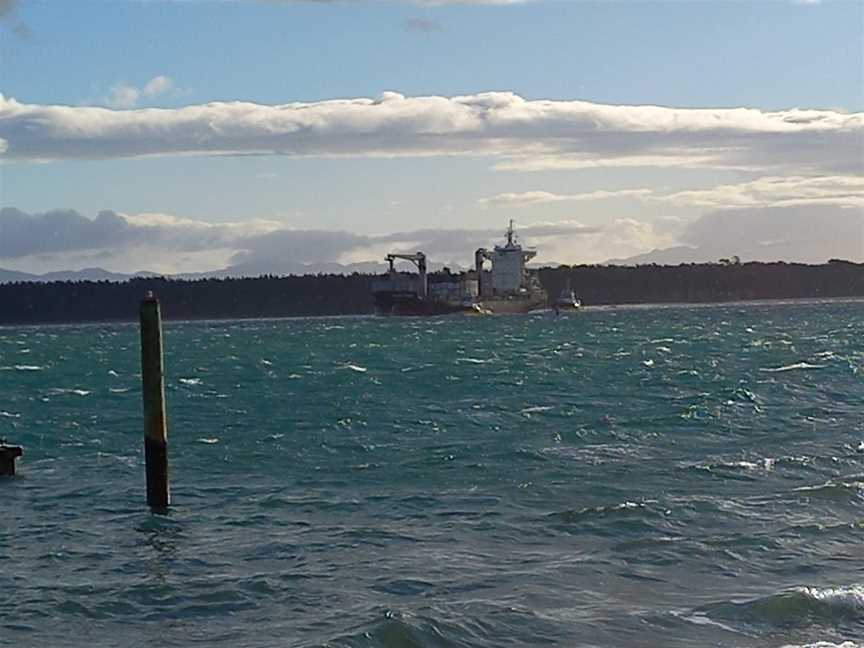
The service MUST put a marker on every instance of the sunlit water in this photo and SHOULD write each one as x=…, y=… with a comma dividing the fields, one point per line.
x=621, y=477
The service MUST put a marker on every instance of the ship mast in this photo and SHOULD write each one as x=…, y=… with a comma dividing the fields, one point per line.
x=510, y=234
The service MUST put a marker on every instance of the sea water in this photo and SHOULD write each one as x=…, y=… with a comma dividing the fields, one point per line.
x=652, y=476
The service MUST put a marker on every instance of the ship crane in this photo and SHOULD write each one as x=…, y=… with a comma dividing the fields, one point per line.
x=419, y=260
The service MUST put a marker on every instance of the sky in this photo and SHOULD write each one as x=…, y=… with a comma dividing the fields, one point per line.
x=287, y=135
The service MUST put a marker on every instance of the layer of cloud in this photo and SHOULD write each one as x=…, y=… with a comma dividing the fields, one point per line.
x=62, y=239
x=528, y=198
x=776, y=191
x=65, y=239
x=770, y=191
x=67, y=230
x=123, y=95
x=520, y=132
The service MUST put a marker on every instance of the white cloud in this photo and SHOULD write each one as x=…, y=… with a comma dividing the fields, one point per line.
x=528, y=162
x=157, y=85
x=770, y=191
x=575, y=133
x=526, y=198
x=845, y=191
x=123, y=95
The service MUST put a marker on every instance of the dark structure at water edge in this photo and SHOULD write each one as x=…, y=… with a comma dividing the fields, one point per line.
x=8, y=455
x=269, y=296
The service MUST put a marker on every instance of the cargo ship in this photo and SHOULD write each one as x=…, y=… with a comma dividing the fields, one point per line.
x=508, y=287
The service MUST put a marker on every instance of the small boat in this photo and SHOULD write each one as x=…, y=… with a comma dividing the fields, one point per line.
x=477, y=309
x=566, y=301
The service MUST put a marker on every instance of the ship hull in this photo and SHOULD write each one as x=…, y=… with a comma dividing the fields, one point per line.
x=567, y=307
x=409, y=304
x=513, y=306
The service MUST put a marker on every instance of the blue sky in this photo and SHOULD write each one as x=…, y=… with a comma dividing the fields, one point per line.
x=129, y=55
x=679, y=54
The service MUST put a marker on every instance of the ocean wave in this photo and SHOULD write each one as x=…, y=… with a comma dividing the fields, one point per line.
x=824, y=644
x=613, y=520
x=765, y=464
x=354, y=367
x=486, y=625
x=799, y=607
x=23, y=368
x=536, y=409
x=60, y=391
x=836, y=488
x=396, y=631
x=792, y=367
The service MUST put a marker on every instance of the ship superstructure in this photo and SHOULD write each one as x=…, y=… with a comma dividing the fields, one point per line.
x=508, y=287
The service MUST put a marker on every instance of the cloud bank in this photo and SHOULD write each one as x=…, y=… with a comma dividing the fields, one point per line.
x=62, y=239
x=65, y=239
x=771, y=191
x=524, y=134
x=798, y=233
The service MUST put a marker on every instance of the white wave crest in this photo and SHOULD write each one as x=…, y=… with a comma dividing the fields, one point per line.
x=792, y=367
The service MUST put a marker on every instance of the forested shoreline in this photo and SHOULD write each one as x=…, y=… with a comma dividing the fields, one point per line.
x=271, y=296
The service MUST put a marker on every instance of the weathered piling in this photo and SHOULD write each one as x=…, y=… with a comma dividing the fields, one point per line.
x=153, y=392
x=8, y=455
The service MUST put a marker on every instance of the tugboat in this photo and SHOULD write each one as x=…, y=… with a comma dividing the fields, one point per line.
x=566, y=302
x=509, y=287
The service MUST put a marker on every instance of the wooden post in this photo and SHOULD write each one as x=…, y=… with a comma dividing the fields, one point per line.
x=8, y=455
x=153, y=391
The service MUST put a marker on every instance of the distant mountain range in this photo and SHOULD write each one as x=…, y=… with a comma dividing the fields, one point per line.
x=668, y=256
x=86, y=274
x=243, y=270
x=282, y=269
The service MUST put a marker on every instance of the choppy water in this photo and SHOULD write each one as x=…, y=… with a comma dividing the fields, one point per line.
x=622, y=477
